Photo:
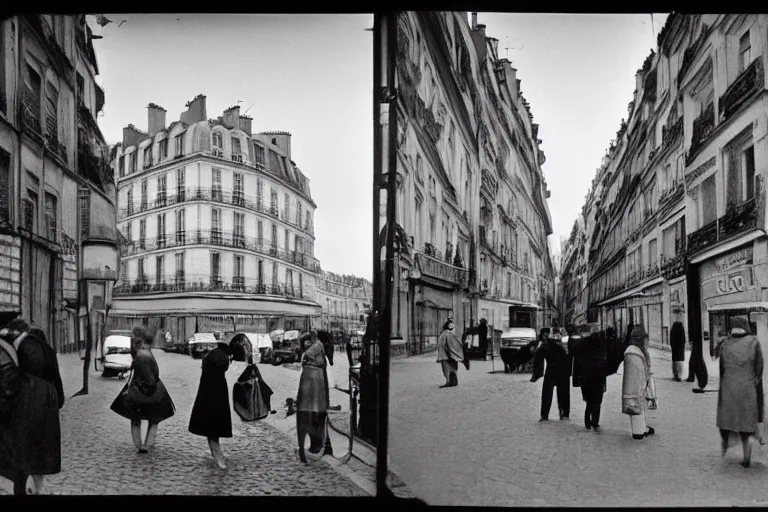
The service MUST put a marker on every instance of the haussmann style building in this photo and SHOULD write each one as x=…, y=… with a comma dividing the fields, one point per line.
x=219, y=224
x=346, y=301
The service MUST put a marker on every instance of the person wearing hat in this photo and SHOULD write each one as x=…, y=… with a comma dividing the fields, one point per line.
x=450, y=354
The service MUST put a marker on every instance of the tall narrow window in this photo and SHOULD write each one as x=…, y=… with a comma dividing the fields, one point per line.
x=286, y=207
x=215, y=269
x=238, y=194
x=31, y=100
x=179, y=145
x=181, y=227
x=238, y=279
x=260, y=276
x=289, y=281
x=80, y=89
x=748, y=162
x=745, y=57
x=162, y=191
x=708, y=199
x=52, y=116
x=216, y=193
x=51, y=223
x=121, y=166
x=653, y=251
x=301, y=286
x=161, y=230
x=259, y=154
x=180, y=278
x=164, y=149
x=142, y=277
x=148, y=157
x=5, y=184
x=30, y=211
x=217, y=145
x=260, y=233
x=237, y=155
x=274, y=236
x=275, y=288
x=215, y=226
x=129, y=231
x=132, y=161
x=160, y=270
x=259, y=194
x=239, y=233
x=286, y=241
x=298, y=214
x=143, y=234
x=273, y=202
x=180, y=185
x=143, y=195
x=129, y=200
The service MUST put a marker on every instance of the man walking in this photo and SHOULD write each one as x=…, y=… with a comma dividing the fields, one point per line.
x=557, y=375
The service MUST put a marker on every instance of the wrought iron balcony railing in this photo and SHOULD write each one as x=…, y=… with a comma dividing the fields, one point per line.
x=204, y=283
x=673, y=267
x=437, y=269
x=746, y=84
x=671, y=133
x=224, y=239
x=220, y=197
x=702, y=128
x=737, y=220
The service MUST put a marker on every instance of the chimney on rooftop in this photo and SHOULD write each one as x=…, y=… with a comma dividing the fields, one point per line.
x=132, y=136
x=245, y=124
x=195, y=112
x=474, y=20
x=478, y=37
x=156, y=119
x=231, y=117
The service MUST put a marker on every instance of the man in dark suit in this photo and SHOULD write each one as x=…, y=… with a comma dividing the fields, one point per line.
x=557, y=375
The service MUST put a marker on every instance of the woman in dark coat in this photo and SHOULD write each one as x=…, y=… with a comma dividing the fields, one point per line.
x=211, y=416
x=677, y=344
x=30, y=438
x=145, y=397
x=313, y=397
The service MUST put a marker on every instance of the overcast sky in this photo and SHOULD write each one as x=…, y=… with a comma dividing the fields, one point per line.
x=578, y=73
x=310, y=75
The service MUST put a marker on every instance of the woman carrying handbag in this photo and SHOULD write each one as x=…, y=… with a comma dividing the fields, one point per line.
x=144, y=396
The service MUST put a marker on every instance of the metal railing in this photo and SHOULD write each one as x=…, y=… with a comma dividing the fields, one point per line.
x=204, y=283
x=736, y=221
x=220, y=238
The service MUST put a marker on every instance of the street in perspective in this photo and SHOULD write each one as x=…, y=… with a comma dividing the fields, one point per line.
x=589, y=327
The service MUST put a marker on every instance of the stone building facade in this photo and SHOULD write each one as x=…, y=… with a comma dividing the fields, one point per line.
x=57, y=193
x=219, y=224
x=472, y=211
x=346, y=301
x=679, y=212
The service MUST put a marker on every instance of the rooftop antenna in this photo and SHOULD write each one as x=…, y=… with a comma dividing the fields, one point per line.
x=249, y=108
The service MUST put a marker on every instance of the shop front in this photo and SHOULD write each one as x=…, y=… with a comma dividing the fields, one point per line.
x=674, y=309
x=732, y=284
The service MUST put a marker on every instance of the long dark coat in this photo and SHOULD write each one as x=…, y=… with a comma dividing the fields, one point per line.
x=30, y=441
x=559, y=361
x=211, y=415
x=147, y=397
x=677, y=341
x=739, y=400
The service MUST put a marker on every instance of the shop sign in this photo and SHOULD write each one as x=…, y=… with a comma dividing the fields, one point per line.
x=725, y=263
x=729, y=283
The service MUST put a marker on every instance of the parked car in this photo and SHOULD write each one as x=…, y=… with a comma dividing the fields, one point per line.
x=276, y=335
x=201, y=343
x=261, y=343
x=117, y=354
x=517, y=347
x=287, y=350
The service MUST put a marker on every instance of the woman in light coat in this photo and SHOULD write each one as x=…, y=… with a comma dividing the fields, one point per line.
x=740, y=401
x=637, y=372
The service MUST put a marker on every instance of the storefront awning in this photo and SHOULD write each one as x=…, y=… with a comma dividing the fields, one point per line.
x=740, y=306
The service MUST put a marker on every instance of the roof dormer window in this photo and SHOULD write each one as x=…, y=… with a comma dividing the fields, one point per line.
x=217, y=145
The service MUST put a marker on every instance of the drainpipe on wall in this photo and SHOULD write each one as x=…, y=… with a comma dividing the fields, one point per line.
x=16, y=198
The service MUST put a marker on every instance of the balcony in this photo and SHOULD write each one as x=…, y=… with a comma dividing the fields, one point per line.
x=749, y=82
x=673, y=267
x=671, y=133
x=436, y=269
x=217, y=196
x=737, y=220
x=223, y=239
x=204, y=283
x=702, y=128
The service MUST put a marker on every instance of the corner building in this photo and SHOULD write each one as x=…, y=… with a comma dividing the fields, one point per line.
x=219, y=224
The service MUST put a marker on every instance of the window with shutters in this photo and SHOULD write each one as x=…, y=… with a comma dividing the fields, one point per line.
x=129, y=201
x=215, y=226
x=160, y=270
x=238, y=280
x=274, y=278
x=51, y=217
x=215, y=269
x=143, y=195
x=180, y=185
x=260, y=233
x=239, y=233
x=216, y=192
x=5, y=186
x=238, y=193
x=178, y=145
x=179, y=268
x=274, y=236
x=260, y=276
x=162, y=192
x=161, y=230
x=740, y=161
x=181, y=226
x=142, y=233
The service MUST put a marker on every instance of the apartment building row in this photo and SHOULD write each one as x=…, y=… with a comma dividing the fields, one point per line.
x=472, y=198
x=346, y=301
x=674, y=223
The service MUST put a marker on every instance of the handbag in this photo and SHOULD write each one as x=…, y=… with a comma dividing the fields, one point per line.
x=650, y=393
x=120, y=405
x=247, y=397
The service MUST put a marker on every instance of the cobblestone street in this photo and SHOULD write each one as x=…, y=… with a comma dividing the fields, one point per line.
x=98, y=456
x=482, y=444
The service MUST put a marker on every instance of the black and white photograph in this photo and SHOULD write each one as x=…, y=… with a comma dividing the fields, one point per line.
x=411, y=257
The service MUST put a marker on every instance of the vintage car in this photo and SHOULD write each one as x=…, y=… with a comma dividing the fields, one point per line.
x=287, y=350
x=201, y=343
x=518, y=344
x=117, y=354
